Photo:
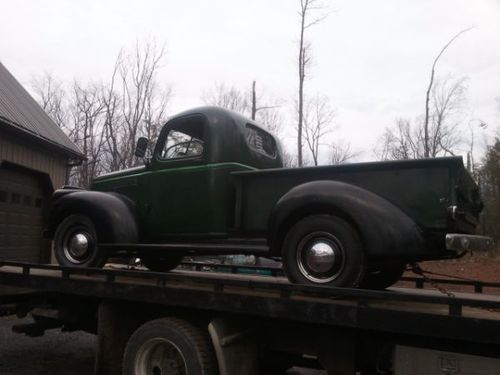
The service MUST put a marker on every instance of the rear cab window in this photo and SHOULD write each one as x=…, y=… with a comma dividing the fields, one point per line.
x=261, y=141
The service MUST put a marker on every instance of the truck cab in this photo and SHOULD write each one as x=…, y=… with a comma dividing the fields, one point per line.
x=189, y=170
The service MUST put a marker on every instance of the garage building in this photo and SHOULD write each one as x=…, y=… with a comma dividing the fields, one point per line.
x=35, y=156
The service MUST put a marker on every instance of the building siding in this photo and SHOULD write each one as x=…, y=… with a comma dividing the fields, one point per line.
x=32, y=156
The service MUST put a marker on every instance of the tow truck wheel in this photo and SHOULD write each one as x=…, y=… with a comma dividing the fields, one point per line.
x=383, y=276
x=169, y=346
x=162, y=264
x=75, y=243
x=323, y=250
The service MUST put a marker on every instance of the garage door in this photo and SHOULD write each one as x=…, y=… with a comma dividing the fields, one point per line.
x=21, y=216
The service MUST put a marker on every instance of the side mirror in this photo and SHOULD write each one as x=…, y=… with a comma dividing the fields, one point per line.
x=141, y=147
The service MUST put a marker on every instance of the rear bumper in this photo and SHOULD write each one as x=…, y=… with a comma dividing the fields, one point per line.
x=468, y=242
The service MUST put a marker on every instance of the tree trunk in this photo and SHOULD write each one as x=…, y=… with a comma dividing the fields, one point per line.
x=254, y=101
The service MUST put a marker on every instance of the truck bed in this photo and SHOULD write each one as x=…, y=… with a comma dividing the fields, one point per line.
x=423, y=188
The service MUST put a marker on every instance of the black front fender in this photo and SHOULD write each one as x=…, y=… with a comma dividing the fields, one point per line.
x=385, y=229
x=113, y=214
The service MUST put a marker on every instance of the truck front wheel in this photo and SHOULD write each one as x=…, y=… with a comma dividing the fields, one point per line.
x=323, y=250
x=75, y=243
x=169, y=346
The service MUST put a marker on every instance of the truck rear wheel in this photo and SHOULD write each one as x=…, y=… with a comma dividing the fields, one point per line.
x=169, y=346
x=75, y=243
x=323, y=250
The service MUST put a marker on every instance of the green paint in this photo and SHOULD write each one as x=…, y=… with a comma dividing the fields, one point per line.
x=231, y=188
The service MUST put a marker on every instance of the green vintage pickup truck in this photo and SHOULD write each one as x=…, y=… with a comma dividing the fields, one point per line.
x=215, y=184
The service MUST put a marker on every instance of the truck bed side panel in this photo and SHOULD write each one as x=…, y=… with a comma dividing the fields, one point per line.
x=424, y=193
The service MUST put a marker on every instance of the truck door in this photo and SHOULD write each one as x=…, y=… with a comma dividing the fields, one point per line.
x=177, y=188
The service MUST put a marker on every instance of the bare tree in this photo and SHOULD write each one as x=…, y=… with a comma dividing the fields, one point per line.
x=255, y=108
x=86, y=111
x=272, y=120
x=289, y=159
x=318, y=120
x=306, y=7
x=427, y=147
x=138, y=73
x=399, y=142
x=113, y=124
x=254, y=99
x=105, y=120
x=448, y=98
x=472, y=166
x=267, y=114
x=134, y=105
x=443, y=135
x=229, y=97
x=51, y=97
x=246, y=103
x=156, y=113
x=341, y=152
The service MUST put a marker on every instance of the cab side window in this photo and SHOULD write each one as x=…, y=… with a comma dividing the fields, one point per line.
x=184, y=140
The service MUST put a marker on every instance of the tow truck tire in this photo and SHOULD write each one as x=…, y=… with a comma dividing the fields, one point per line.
x=323, y=250
x=169, y=346
x=75, y=243
x=383, y=276
x=162, y=264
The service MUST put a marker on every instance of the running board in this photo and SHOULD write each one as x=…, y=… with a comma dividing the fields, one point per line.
x=211, y=248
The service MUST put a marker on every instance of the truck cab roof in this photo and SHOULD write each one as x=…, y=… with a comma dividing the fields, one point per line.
x=227, y=137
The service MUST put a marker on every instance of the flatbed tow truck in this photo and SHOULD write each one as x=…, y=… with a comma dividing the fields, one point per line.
x=250, y=320
x=214, y=184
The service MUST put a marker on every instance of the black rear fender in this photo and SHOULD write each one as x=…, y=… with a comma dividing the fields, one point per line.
x=384, y=228
x=112, y=214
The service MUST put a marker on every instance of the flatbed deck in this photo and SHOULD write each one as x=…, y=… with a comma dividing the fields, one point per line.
x=406, y=311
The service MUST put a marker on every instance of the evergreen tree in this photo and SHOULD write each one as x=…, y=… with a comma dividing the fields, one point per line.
x=489, y=180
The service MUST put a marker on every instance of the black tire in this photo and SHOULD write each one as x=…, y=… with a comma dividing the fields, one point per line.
x=163, y=263
x=169, y=346
x=323, y=250
x=383, y=276
x=75, y=243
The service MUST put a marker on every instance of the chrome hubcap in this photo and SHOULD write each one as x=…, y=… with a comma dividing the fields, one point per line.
x=320, y=257
x=160, y=356
x=77, y=246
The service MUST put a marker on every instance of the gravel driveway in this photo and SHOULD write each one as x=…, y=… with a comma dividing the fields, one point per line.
x=54, y=353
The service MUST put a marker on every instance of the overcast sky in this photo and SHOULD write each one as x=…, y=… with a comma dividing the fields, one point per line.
x=371, y=58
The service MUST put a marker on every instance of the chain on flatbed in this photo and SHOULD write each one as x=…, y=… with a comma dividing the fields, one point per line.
x=415, y=268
